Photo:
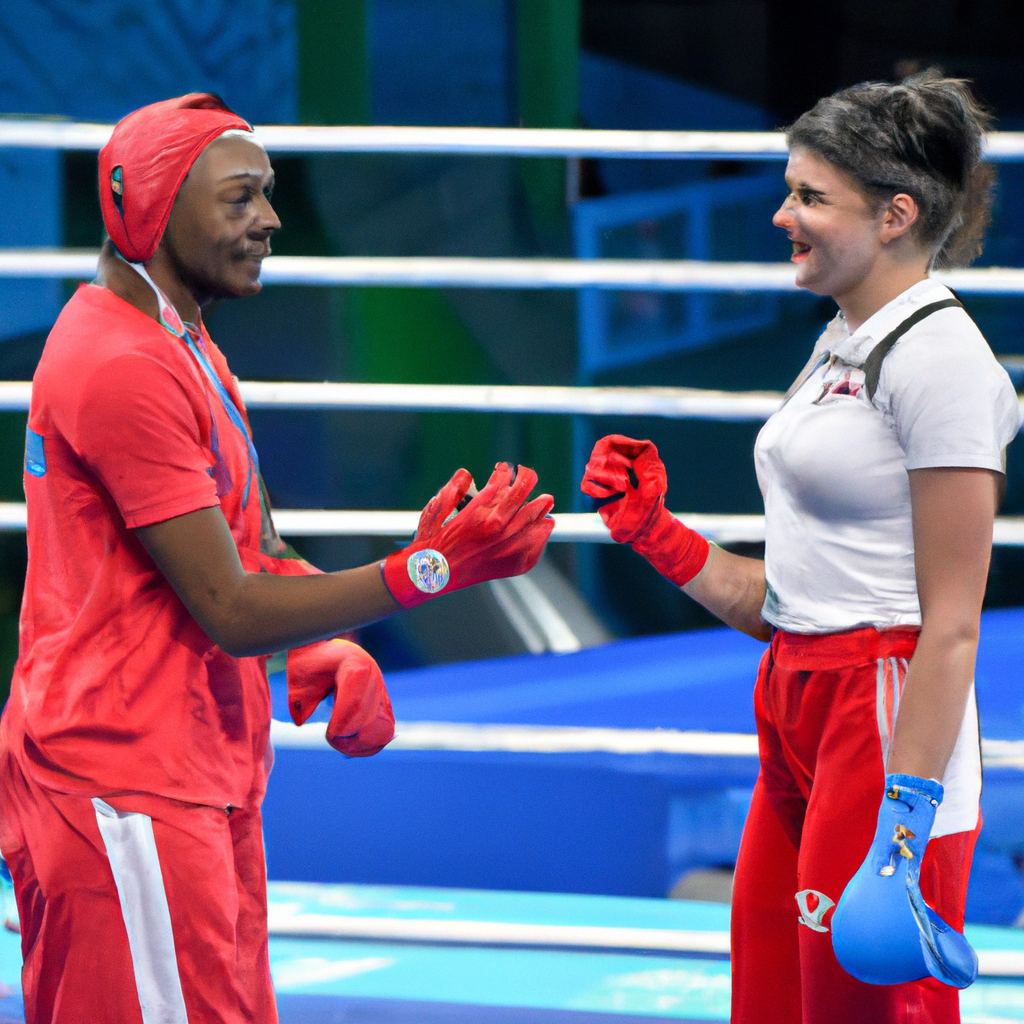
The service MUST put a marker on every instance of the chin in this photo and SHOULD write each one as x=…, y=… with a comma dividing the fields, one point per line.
x=250, y=283
x=238, y=289
x=810, y=284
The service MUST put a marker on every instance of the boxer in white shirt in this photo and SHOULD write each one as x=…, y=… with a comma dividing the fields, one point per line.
x=881, y=475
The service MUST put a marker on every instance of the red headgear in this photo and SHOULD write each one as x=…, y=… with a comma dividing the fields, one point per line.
x=145, y=162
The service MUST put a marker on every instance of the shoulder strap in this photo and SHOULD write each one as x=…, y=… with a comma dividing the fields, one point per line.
x=873, y=363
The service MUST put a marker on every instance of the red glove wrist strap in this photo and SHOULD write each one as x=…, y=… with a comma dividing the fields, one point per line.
x=429, y=567
x=676, y=551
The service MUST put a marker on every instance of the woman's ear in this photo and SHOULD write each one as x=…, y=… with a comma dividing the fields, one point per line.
x=899, y=217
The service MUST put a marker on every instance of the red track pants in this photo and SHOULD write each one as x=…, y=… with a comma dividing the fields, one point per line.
x=824, y=711
x=155, y=901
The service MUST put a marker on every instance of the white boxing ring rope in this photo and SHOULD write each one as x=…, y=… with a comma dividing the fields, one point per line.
x=525, y=142
x=570, y=527
x=667, y=403
x=465, y=272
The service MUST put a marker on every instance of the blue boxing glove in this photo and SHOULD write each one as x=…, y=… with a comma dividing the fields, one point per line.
x=883, y=932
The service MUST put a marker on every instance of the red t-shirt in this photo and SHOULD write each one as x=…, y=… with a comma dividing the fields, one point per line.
x=117, y=687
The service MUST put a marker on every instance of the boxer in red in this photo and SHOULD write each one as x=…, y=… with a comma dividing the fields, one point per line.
x=134, y=749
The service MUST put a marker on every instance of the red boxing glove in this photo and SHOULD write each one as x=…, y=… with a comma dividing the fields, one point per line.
x=631, y=472
x=362, y=722
x=499, y=533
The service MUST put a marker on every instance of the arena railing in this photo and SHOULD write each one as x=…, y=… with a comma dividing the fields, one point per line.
x=456, y=272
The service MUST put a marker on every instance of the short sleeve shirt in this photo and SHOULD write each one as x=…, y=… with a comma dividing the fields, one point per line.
x=832, y=463
x=117, y=687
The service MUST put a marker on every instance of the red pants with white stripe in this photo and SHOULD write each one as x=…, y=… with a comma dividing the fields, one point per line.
x=825, y=707
x=136, y=901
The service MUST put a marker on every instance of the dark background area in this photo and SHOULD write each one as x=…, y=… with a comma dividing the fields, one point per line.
x=783, y=55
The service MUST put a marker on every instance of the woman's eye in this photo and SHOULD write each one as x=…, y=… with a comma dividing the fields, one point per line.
x=243, y=197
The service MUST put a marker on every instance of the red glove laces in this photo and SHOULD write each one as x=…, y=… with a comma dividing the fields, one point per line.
x=631, y=471
x=499, y=533
x=362, y=722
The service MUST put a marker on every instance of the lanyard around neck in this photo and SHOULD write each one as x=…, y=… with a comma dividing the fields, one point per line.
x=192, y=336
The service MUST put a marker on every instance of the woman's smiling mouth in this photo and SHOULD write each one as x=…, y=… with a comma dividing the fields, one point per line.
x=801, y=250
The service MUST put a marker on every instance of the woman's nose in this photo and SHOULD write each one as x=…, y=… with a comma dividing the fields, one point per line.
x=269, y=221
x=783, y=217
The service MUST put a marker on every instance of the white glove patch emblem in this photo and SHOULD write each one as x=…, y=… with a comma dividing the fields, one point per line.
x=428, y=570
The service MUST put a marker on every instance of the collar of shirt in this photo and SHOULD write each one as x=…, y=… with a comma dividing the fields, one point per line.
x=855, y=348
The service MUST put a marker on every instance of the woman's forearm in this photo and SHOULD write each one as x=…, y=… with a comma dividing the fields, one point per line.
x=933, y=701
x=247, y=613
x=732, y=588
x=953, y=513
x=262, y=613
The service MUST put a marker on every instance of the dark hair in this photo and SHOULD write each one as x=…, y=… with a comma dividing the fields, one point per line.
x=923, y=137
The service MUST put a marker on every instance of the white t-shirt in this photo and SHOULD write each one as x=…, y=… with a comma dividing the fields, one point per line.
x=832, y=465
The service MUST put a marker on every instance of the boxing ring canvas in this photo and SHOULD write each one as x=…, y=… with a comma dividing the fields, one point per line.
x=492, y=957
x=433, y=955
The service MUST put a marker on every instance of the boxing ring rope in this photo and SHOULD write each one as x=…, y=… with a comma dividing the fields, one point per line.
x=524, y=142
x=667, y=403
x=570, y=527
x=466, y=272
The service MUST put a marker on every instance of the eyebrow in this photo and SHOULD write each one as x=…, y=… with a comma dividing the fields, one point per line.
x=248, y=174
x=808, y=189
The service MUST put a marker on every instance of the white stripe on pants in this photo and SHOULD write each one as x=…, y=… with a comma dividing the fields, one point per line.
x=131, y=848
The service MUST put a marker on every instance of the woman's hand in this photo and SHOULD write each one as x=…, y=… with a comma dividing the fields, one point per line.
x=953, y=514
x=630, y=473
x=883, y=932
x=632, y=476
x=499, y=533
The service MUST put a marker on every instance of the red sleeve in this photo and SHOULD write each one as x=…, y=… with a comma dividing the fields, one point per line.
x=138, y=430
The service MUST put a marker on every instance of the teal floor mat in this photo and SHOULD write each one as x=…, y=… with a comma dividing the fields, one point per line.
x=375, y=981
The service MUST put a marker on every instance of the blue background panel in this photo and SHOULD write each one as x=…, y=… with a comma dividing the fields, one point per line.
x=487, y=821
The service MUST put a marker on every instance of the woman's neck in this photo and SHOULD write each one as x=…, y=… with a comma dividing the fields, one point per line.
x=885, y=283
x=118, y=276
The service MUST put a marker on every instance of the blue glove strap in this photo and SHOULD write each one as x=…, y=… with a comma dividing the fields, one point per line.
x=883, y=932
x=907, y=814
x=947, y=953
